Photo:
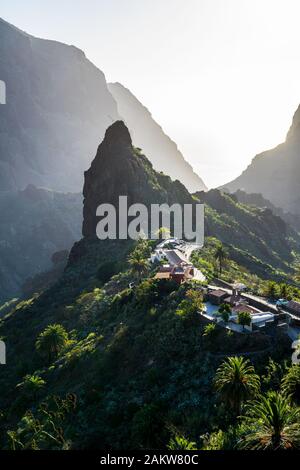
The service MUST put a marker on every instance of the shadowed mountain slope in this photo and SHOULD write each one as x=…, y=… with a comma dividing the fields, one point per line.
x=275, y=173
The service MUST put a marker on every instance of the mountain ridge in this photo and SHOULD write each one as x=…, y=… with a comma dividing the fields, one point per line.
x=57, y=108
x=274, y=173
x=147, y=134
x=119, y=169
x=35, y=223
x=258, y=238
x=56, y=114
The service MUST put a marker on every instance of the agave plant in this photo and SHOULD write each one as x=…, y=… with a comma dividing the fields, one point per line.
x=273, y=424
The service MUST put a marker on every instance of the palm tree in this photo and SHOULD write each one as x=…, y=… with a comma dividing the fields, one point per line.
x=163, y=233
x=210, y=330
x=290, y=384
x=181, y=443
x=31, y=385
x=138, y=263
x=236, y=381
x=220, y=256
x=273, y=424
x=283, y=291
x=271, y=290
x=52, y=340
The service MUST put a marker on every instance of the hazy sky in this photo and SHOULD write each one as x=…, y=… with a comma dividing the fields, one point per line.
x=222, y=77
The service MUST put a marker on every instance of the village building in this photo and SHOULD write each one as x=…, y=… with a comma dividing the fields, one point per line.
x=176, y=257
x=157, y=256
x=243, y=307
x=217, y=297
x=178, y=274
x=259, y=319
x=163, y=275
x=177, y=266
x=179, y=269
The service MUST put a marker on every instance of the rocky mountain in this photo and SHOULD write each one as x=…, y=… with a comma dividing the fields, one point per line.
x=147, y=134
x=257, y=200
x=275, y=173
x=119, y=169
x=35, y=223
x=58, y=108
x=131, y=367
x=256, y=237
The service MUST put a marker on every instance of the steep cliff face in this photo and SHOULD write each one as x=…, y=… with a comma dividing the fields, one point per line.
x=58, y=108
x=148, y=135
x=275, y=173
x=257, y=200
x=119, y=169
x=35, y=223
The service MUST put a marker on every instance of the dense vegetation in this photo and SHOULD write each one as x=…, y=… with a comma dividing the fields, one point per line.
x=255, y=238
x=108, y=357
x=207, y=259
x=93, y=363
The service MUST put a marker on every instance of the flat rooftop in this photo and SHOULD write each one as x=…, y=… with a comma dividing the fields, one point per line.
x=175, y=257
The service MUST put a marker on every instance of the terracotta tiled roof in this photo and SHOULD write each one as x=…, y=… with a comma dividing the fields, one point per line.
x=165, y=275
x=175, y=257
x=244, y=308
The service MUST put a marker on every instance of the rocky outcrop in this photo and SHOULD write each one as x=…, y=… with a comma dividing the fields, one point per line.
x=256, y=237
x=119, y=169
x=275, y=173
x=148, y=135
